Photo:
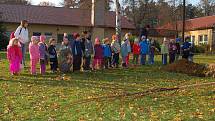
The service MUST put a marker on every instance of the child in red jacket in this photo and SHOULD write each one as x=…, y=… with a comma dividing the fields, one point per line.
x=136, y=51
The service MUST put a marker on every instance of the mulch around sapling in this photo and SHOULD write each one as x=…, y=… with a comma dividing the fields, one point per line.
x=190, y=68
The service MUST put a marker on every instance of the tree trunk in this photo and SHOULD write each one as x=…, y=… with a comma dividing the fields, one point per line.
x=118, y=20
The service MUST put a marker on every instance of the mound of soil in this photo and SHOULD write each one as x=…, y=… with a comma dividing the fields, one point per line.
x=210, y=70
x=186, y=67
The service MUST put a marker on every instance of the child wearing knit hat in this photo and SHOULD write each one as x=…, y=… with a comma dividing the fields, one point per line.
x=34, y=54
x=98, y=55
x=43, y=49
x=77, y=53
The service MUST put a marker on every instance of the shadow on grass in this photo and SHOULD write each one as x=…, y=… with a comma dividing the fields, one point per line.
x=133, y=79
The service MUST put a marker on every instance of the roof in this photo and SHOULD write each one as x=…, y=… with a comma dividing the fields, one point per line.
x=55, y=16
x=192, y=24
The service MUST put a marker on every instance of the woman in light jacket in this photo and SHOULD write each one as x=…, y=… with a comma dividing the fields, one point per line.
x=22, y=34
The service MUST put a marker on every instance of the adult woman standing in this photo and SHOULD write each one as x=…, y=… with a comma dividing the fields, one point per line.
x=22, y=34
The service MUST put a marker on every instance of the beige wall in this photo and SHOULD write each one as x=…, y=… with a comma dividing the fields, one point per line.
x=112, y=31
x=198, y=33
x=55, y=30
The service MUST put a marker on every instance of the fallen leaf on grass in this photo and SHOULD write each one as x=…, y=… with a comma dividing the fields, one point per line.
x=122, y=113
x=134, y=114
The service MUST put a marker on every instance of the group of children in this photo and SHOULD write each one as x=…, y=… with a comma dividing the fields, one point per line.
x=76, y=53
x=39, y=53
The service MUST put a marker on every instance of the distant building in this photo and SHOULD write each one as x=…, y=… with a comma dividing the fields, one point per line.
x=55, y=21
x=201, y=30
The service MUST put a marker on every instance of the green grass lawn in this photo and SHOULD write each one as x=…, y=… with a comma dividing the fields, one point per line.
x=85, y=96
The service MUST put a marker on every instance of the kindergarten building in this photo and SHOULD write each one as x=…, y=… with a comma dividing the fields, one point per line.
x=55, y=21
x=200, y=30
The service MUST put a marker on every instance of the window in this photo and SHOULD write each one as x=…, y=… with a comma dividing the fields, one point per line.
x=205, y=39
x=200, y=39
x=193, y=39
x=59, y=38
x=48, y=35
x=36, y=33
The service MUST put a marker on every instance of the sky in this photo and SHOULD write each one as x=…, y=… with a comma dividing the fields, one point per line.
x=57, y=2
x=36, y=2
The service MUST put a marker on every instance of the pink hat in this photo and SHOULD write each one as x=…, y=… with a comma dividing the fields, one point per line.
x=33, y=38
x=42, y=38
x=97, y=41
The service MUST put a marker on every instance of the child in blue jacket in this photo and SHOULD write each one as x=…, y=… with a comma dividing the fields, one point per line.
x=144, y=50
x=124, y=52
x=77, y=53
x=107, y=53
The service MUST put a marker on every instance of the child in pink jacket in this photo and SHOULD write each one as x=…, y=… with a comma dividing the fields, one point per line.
x=34, y=54
x=14, y=56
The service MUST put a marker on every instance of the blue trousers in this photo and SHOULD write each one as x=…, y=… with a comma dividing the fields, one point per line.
x=23, y=49
x=164, y=59
x=115, y=61
x=143, y=59
x=151, y=58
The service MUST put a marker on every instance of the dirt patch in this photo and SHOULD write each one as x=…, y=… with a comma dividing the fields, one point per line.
x=210, y=70
x=190, y=68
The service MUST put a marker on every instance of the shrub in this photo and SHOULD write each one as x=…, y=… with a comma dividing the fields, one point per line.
x=200, y=49
x=3, y=37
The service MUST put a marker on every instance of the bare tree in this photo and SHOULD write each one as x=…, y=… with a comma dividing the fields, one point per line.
x=71, y=3
x=141, y=12
x=83, y=4
x=118, y=20
x=208, y=6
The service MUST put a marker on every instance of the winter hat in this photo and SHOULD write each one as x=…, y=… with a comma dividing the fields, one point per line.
x=143, y=37
x=34, y=38
x=97, y=41
x=42, y=38
x=136, y=40
x=178, y=39
x=76, y=35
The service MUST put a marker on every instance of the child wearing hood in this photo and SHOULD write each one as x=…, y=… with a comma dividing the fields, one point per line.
x=53, y=55
x=43, y=54
x=14, y=55
x=87, y=54
x=164, y=51
x=65, y=56
x=107, y=53
x=115, y=46
x=152, y=49
x=127, y=37
x=172, y=51
x=98, y=55
x=34, y=54
x=77, y=53
x=144, y=50
x=136, y=51
x=124, y=53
